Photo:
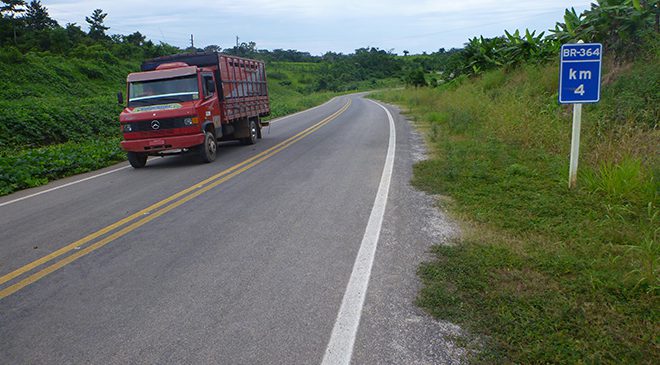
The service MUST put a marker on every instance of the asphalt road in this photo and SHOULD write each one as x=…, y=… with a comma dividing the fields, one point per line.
x=242, y=261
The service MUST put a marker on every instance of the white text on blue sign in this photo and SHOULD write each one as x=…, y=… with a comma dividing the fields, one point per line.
x=579, y=75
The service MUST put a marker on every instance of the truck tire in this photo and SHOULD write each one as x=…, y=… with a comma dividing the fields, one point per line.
x=208, y=150
x=137, y=159
x=254, y=133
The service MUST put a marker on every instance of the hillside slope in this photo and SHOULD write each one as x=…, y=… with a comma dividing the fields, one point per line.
x=546, y=274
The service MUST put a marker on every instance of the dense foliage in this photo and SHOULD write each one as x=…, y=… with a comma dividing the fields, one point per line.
x=621, y=25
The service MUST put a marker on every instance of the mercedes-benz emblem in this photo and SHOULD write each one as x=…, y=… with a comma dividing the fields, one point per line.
x=155, y=125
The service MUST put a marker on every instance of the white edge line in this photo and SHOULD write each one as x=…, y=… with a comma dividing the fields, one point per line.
x=344, y=332
x=124, y=167
x=62, y=186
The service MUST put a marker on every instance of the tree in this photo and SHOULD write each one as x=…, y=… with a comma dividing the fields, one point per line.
x=212, y=48
x=13, y=7
x=59, y=40
x=96, y=27
x=192, y=49
x=136, y=39
x=416, y=78
x=74, y=33
x=244, y=49
x=405, y=53
x=37, y=18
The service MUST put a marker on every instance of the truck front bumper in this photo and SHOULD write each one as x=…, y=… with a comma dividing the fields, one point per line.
x=162, y=144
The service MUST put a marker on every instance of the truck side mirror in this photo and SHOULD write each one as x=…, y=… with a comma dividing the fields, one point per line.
x=120, y=98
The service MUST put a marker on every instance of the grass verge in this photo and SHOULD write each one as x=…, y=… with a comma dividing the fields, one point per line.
x=545, y=274
x=37, y=166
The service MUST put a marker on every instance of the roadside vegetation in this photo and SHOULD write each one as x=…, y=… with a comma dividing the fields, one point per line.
x=544, y=273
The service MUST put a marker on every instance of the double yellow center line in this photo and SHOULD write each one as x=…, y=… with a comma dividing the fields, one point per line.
x=146, y=215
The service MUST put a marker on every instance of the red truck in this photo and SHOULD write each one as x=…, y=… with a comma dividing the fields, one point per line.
x=189, y=102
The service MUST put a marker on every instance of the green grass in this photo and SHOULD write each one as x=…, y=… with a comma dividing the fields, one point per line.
x=58, y=115
x=291, y=85
x=545, y=274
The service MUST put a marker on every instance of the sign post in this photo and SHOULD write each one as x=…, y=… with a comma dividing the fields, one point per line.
x=579, y=82
x=575, y=145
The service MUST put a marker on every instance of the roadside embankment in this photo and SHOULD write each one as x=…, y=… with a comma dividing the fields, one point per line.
x=543, y=273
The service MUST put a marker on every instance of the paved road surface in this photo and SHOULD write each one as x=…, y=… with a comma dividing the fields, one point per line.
x=242, y=261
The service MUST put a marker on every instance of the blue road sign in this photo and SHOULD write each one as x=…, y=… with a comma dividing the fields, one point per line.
x=579, y=74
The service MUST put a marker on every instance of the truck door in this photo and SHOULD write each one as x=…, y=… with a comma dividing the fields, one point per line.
x=211, y=104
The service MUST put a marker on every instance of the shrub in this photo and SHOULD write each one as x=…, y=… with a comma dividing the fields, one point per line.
x=624, y=182
x=33, y=167
x=11, y=55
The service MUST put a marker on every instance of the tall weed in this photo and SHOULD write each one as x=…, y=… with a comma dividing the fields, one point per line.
x=624, y=182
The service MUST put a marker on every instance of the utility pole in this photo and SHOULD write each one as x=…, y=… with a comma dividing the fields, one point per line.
x=236, y=41
x=192, y=41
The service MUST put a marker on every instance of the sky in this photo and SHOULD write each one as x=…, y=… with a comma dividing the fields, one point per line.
x=318, y=26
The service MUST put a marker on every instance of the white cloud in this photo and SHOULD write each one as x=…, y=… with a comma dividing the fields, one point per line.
x=319, y=25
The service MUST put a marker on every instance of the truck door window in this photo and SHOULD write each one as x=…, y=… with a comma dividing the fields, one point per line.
x=209, y=85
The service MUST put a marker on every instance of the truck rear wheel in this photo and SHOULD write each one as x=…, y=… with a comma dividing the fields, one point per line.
x=254, y=133
x=137, y=159
x=209, y=149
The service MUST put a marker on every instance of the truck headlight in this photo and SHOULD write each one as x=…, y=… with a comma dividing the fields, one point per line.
x=127, y=127
x=189, y=121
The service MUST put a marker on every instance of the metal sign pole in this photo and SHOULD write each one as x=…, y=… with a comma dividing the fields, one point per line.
x=575, y=145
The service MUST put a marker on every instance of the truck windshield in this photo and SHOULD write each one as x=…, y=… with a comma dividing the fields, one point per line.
x=154, y=92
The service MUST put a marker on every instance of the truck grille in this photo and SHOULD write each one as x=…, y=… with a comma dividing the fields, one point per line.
x=157, y=125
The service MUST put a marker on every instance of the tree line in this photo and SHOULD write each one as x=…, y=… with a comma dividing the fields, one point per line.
x=622, y=25
x=28, y=27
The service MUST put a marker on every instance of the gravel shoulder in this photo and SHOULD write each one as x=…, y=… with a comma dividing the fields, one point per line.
x=393, y=330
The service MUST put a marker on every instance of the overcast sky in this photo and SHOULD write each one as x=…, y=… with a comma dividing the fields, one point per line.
x=318, y=26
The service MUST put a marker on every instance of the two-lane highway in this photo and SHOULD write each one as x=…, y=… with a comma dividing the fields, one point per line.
x=242, y=261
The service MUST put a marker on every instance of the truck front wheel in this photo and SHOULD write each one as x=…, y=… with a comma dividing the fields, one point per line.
x=209, y=149
x=137, y=159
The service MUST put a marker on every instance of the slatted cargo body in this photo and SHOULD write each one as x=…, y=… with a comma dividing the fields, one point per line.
x=244, y=90
x=241, y=82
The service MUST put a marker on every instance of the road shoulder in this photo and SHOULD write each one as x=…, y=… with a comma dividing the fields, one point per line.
x=393, y=329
